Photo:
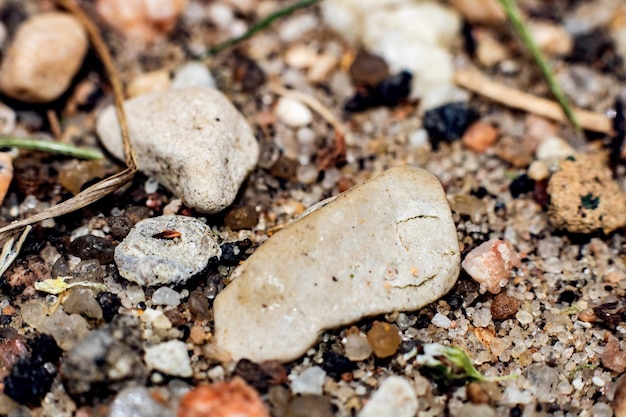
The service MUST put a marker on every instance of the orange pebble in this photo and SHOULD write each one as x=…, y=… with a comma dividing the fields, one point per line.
x=225, y=399
x=6, y=174
x=480, y=136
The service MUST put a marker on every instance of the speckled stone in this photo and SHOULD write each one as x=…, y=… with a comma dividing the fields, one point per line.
x=193, y=140
x=147, y=258
x=387, y=245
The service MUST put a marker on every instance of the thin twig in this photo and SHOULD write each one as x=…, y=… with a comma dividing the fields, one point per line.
x=50, y=146
x=514, y=16
x=313, y=103
x=257, y=27
x=55, y=126
x=511, y=97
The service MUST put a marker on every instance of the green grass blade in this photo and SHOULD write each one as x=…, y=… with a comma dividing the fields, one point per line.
x=257, y=27
x=514, y=16
x=51, y=147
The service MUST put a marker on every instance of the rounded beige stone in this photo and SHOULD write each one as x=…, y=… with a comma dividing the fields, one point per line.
x=46, y=52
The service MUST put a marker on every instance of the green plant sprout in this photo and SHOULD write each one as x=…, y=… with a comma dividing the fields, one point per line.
x=259, y=26
x=449, y=364
x=50, y=146
x=515, y=17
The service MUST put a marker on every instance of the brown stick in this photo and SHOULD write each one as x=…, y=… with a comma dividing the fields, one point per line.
x=511, y=97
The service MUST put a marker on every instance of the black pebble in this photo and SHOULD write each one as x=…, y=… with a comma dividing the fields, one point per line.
x=447, y=123
x=28, y=382
x=335, y=364
x=568, y=297
x=589, y=47
x=521, y=185
x=110, y=304
x=93, y=247
x=5, y=320
x=234, y=252
x=45, y=349
x=389, y=92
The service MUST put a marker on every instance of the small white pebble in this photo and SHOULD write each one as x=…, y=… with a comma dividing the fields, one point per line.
x=538, y=171
x=597, y=381
x=193, y=74
x=309, y=382
x=578, y=384
x=554, y=148
x=524, y=317
x=295, y=27
x=151, y=186
x=170, y=357
x=293, y=113
x=441, y=321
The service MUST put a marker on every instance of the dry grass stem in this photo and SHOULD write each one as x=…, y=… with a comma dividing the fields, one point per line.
x=511, y=97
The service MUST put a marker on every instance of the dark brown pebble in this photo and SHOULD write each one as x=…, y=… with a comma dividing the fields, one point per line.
x=241, y=217
x=176, y=317
x=248, y=73
x=253, y=374
x=119, y=226
x=284, y=168
x=135, y=214
x=368, y=69
x=504, y=306
x=199, y=306
x=93, y=247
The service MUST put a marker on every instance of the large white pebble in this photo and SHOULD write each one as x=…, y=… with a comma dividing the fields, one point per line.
x=387, y=245
x=147, y=257
x=46, y=52
x=193, y=140
x=395, y=398
x=171, y=358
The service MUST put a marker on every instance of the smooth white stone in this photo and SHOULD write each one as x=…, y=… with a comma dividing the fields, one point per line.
x=193, y=140
x=387, y=245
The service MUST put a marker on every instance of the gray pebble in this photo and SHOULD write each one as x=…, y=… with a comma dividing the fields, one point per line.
x=149, y=257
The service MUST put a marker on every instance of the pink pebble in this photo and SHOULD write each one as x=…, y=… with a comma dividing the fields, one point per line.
x=490, y=263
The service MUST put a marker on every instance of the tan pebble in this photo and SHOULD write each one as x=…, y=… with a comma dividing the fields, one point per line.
x=476, y=394
x=148, y=83
x=480, y=11
x=300, y=56
x=197, y=335
x=224, y=399
x=584, y=197
x=490, y=264
x=551, y=38
x=538, y=171
x=518, y=153
x=588, y=316
x=46, y=52
x=480, y=136
x=322, y=67
x=489, y=50
x=384, y=338
x=145, y=21
x=538, y=127
x=6, y=174
x=614, y=276
x=504, y=306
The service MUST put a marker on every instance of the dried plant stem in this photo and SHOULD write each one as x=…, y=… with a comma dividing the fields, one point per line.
x=109, y=185
x=514, y=16
x=50, y=146
x=259, y=26
x=511, y=97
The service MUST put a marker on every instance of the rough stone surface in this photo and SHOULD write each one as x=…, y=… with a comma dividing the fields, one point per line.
x=170, y=357
x=147, y=258
x=395, y=398
x=46, y=52
x=393, y=246
x=584, y=197
x=192, y=140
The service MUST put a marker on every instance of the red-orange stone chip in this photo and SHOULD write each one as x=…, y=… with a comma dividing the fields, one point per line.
x=225, y=399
